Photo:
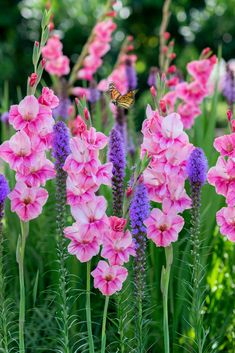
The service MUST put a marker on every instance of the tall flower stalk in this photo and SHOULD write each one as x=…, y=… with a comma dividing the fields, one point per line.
x=4, y=340
x=61, y=150
x=165, y=279
x=139, y=211
x=88, y=308
x=20, y=259
x=197, y=172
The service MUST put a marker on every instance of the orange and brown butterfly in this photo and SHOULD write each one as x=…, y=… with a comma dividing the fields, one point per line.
x=123, y=101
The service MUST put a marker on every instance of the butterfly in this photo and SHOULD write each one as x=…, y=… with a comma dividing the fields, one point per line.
x=123, y=101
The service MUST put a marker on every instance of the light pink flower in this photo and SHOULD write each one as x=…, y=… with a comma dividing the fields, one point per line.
x=58, y=66
x=19, y=151
x=104, y=29
x=30, y=115
x=94, y=140
x=98, y=48
x=80, y=189
x=27, y=202
x=226, y=220
x=225, y=145
x=37, y=171
x=83, y=245
x=91, y=216
x=109, y=279
x=81, y=92
x=155, y=181
x=48, y=98
x=117, y=247
x=53, y=49
x=177, y=197
x=222, y=176
x=163, y=228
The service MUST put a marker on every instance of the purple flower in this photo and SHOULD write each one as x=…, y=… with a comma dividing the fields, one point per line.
x=197, y=167
x=5, y=117
x=152, y=79
x=131, y=75
x=117, y=157
x=229, y=86
x=62, y=110
x=4, y=189
x=94, y=95
x=61, y=148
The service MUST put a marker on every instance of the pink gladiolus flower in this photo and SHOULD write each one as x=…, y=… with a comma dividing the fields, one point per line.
x=226, y=220
x=225, y=145
x=27, y=202
x=80, y=189
x=188, y=112
x=94, y=140
x=81, y=92
x=163, y=228
x=48, y=98
x=91, y=216
x=117, y=224
x=117, y=247
x=222, y=176
x=53, y=48
x=109, y=279
x=192, y=92
x=98, y=48
x=84, y=245
x=59, y=66
x=19, y=151
x=201, y=69
x=37, y=172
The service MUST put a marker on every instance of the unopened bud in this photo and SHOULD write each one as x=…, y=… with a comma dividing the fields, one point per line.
x=36, y=44
x=86, y=113
x=153, y=91
x=229, y=115
x=129, y=191
x=166, y=35
x=171, y=69
x=33, y=79
x=162, y=104
x=172, y=56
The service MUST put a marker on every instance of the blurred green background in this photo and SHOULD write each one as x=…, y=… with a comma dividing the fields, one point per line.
x=195, y=24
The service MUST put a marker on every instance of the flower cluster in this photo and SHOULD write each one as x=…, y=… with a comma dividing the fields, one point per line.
x=56, y=63
x=25, y=152
x=97, y=48
x=123, y=75
x=92, y=227
x=169, y=148
x=222, y=176
x=189, y=95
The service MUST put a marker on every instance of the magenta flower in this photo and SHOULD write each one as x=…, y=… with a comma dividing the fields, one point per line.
x=26, y=201
x=48, y=98
x=53, y=49
x=226, y=220
x=193, y=92
x=84, y=245
x=163, y=227
x=201, y=69
x=109, y=279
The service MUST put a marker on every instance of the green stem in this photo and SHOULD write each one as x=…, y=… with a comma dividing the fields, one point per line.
x=20, y=259
x=88, y=309
x=103, y=334
x=164, y=288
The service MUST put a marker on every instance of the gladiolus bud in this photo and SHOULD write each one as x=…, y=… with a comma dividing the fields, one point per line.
x=163, y=77
x=162, y=104
x=171, y=69
x=165, y=50
x=166, y=35
x=229, y=115
x=130, y=47
x=86, y=113
x=33, y=79
x=51, y=26
x=36, y=44
x=77, y=101
x=43, y=62
x=172, y=56
x=153, y=91
x=206, y=51
x=111, y=14
x=130, y=38
x=129, y=191
x=172, y=43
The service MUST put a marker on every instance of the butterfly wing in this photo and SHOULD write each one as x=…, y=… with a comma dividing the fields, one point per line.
x=127, y=100
x=114, y=92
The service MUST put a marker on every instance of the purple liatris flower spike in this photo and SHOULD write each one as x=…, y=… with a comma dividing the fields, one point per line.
x=152, y=79
x=131, y=75
x=94, y=92
x=61, y=148
x=139, y=211
x=4, y=191
x=117, y=157
x=197, y=167
x=5, y=117
x=228, y=88
x=62, y=110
